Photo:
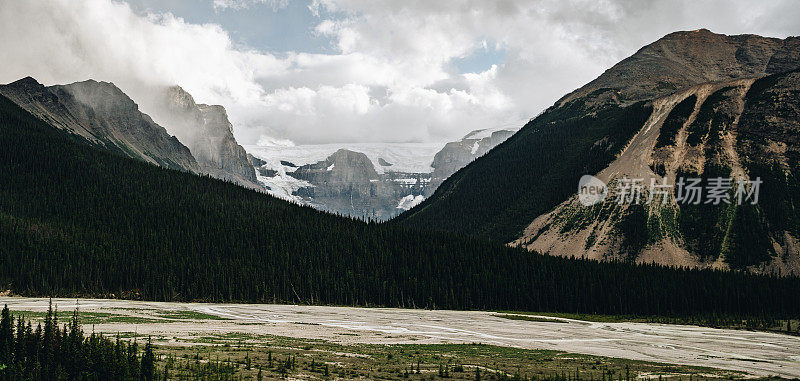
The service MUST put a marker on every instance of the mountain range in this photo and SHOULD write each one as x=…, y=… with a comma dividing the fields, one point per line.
x=693, y=104
x=80, y=219
x=199, y=138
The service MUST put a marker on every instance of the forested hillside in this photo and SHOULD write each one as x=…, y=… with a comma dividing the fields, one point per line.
x=496, y=196
x=77, y=220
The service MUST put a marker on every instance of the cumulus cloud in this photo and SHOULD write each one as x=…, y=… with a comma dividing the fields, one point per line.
x=392, y=75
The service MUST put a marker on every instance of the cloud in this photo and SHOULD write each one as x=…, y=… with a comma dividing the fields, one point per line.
x=391, y=75
x=244, y=4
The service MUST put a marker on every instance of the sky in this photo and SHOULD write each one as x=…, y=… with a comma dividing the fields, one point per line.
x=332, y=71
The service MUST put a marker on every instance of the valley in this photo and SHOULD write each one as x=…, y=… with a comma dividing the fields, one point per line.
x=360, y=339
x=171, y=251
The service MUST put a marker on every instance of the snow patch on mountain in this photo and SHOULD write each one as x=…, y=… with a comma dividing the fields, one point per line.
x=281, y=185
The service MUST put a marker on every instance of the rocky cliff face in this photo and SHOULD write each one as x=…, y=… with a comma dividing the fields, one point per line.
x=103, y=114
x=347, y=183
x=208, y=133
x=456, y=155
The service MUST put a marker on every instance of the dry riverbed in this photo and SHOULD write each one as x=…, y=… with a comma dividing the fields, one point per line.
x=353, y=338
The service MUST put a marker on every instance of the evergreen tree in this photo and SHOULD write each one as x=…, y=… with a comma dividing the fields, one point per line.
x=148, y=362
x=6, y=336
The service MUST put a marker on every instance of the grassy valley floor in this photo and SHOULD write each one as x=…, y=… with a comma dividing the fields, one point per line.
x=318, y=342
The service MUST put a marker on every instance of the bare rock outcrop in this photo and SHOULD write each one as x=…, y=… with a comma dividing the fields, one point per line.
x=208, y=133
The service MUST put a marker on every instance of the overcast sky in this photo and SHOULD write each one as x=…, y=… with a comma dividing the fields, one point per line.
x=357, y=70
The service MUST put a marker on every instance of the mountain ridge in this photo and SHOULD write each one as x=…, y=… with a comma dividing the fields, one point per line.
x=687, y=58
x=103, y=114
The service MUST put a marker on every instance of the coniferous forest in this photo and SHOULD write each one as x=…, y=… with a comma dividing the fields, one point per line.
x=530, y=173
x=50, y=352
x=77, y=220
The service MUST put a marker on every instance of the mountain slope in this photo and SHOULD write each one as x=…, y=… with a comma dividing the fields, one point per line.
x=497, y=195
x=741, y=129
x=208, y=133
x=102, y=113
x=77, y=220
x=523, y=191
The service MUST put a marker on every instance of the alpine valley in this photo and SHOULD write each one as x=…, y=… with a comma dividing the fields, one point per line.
x=331, y=190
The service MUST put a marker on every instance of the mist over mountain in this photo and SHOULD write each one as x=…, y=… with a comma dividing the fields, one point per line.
x=208, y=133
x=103, y=114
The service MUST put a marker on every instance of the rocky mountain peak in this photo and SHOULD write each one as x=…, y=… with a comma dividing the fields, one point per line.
x=343, y=166
x=456, y=155
x=27, y=91
x=102, y=97
x=27, y=82
x=683, y=59
x=180, y=98
x=208, y=133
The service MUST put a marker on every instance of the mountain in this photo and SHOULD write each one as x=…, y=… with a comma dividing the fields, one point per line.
x=692, y=104
x=103, y=114
x=369, y=181
x=372, y=181
x=77, y=220
x=456, y=155
x=347, y=180
x=208, y=133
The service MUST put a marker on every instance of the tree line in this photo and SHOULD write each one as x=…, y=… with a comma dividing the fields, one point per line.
x=76, y=220
x=50, y=352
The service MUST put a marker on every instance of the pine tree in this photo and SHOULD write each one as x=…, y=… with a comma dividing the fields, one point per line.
x=6, y=336
x=148, y=362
